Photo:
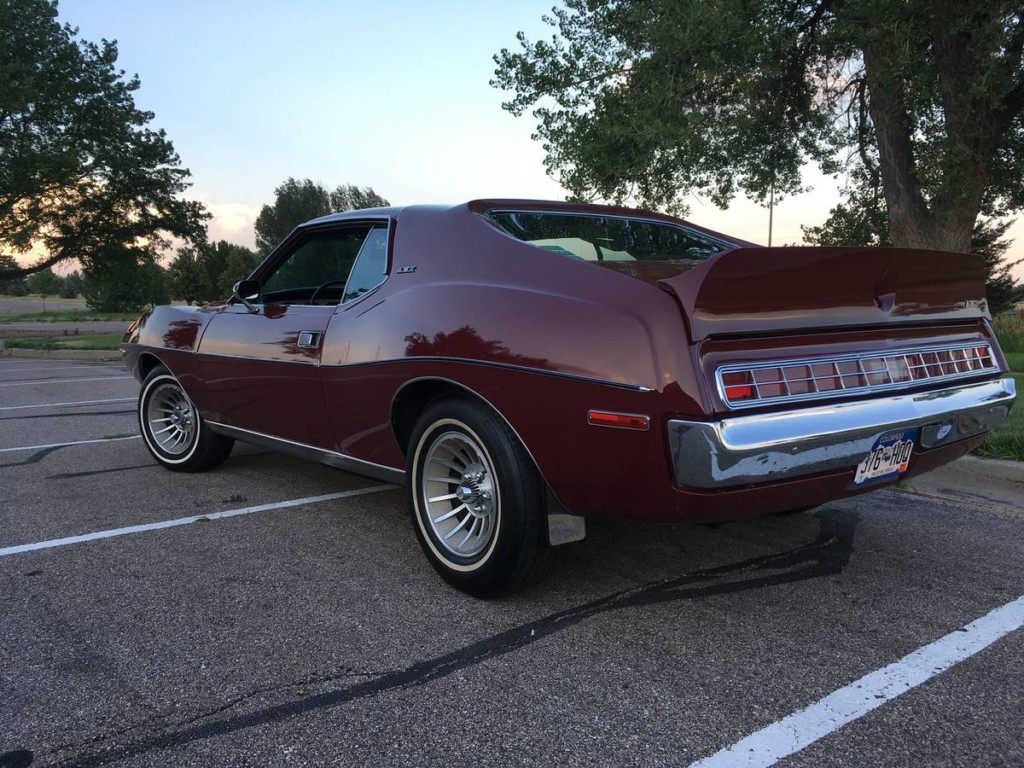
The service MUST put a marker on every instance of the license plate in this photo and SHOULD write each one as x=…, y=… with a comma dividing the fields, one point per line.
x=888, y=458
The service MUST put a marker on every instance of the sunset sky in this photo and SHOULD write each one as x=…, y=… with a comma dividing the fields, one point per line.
x=390, y=94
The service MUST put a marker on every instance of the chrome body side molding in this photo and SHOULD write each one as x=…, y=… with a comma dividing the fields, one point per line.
x=766, y=447
x=312, y=453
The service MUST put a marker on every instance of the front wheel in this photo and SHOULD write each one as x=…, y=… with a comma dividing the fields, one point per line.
x=172, y=428
x=477, y=500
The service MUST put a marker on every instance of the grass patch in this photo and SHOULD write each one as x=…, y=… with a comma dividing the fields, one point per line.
x=101, y=341
x=1009, y=328
x=1007, y=442
x=1016, y=361
x=65, y=316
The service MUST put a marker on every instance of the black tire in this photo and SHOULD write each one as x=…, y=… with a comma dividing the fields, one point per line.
x=507, y=500
x=162, y=401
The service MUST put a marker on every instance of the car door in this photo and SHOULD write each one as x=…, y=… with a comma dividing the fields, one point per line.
x=260, y=358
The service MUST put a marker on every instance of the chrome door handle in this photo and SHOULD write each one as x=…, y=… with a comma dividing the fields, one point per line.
x=309, y=340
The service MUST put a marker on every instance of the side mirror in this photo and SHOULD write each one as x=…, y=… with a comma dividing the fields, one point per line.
x=247, y=291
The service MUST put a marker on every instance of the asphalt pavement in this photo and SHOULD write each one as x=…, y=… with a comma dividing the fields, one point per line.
x=279, y=613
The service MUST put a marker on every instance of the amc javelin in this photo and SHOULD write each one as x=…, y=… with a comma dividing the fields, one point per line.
x=521, y=366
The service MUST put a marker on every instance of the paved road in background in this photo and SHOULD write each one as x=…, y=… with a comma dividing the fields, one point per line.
x=13, y=330
x=316, y=634
x=37, y=305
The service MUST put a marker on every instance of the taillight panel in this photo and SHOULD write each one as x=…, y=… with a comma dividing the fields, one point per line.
x=749, y=385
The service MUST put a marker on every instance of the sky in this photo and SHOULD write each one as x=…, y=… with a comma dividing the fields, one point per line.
x=391, y=94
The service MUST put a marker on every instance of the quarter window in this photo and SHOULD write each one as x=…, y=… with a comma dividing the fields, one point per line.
x=371, y=265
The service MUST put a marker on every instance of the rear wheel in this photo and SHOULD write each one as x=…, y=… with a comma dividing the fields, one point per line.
x=477, y=500
x=172, y=428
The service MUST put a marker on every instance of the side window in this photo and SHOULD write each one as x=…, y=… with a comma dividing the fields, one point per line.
x=321, y=264
x=371, y=265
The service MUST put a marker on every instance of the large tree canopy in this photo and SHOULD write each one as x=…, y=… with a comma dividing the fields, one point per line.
x=298, y=201
x=81, y=174
x=652, y=99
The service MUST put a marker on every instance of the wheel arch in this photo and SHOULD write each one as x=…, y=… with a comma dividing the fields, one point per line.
x=415, y=395
x=147, y=362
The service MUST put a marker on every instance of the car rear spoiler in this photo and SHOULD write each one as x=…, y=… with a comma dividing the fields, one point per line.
x=771, y=290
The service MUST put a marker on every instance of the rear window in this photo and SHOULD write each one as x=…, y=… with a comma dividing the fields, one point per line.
x=592, y=237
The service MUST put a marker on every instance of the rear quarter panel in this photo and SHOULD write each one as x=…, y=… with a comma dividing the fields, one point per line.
x=540, y=337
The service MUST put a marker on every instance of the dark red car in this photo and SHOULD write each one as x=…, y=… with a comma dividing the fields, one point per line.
x=523, y=365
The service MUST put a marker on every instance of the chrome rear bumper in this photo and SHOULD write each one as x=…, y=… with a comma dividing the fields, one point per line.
x=777, y=446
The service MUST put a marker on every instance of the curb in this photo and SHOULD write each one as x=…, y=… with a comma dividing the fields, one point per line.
x=992, y=483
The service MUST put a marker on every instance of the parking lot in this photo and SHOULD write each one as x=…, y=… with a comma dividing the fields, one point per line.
x=279, y=613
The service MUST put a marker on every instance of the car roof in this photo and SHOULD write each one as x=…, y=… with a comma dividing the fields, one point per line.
x=487, y=204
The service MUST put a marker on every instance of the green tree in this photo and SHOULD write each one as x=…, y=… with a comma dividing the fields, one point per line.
x=14, y=286
x=74, y=285
x=653, y=99
x=153, y=283
x=121, y=280
x=208, y=271
x=349, y=197
x=294, y=202
x=299, y=201
x=238, y=265
x=185, y=276
x=213, y=258
x=46, y=284
x=79, y=166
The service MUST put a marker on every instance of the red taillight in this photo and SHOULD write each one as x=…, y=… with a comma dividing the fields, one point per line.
x=739, y=392
x=739, y=385
x=618, y=420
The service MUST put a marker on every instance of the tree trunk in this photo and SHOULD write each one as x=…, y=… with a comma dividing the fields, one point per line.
x=912, y=224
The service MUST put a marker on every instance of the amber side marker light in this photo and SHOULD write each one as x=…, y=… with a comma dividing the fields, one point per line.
x=618, y=420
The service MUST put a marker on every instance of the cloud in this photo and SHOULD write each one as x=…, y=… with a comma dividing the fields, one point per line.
x=233, y=222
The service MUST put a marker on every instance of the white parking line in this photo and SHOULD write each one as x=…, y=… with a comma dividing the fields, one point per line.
x=801, y=729
x=65, y=445
x=63, y=381
x=111, y=533
x=63, y=405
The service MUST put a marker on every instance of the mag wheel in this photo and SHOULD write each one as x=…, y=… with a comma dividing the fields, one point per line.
x=172, y=428
x=476, y=499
